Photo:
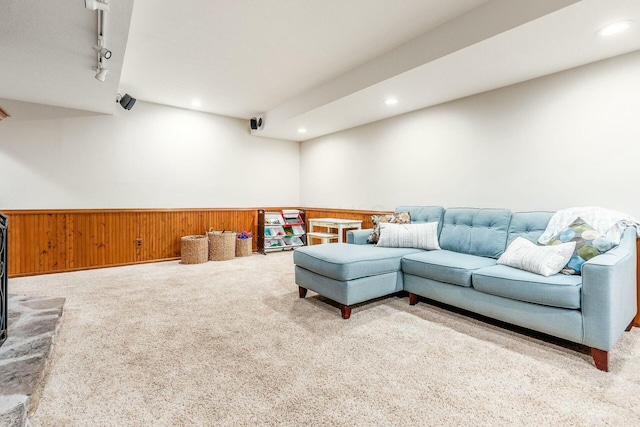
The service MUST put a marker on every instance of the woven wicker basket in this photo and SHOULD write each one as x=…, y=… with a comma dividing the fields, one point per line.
x=193, y=249
x=222, y=245
x=244, y=247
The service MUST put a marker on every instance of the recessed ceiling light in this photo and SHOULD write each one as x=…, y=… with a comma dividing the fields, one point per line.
x=615, y=28
x=391, y=101
x=196, y=103
x=302, y=130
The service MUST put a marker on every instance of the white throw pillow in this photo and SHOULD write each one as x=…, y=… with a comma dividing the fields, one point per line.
x=544, y=260
x=420, y=236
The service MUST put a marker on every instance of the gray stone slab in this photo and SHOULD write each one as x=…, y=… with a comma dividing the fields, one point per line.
x=22, y=375
x=13, y=410
x=13, y=348
x=32, y=324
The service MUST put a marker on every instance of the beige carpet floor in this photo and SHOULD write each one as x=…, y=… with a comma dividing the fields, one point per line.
x=230, y=343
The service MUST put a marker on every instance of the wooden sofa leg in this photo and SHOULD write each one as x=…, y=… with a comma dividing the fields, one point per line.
x=601, y=359
x=302, y=292
x=629, y=327
x=346, y=311
x=413, y=299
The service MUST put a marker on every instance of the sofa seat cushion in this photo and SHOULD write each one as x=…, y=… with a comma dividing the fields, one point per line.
x=445, y=266
x=558, y=290
x=343, y=261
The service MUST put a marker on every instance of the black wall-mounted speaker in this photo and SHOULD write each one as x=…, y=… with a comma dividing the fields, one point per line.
x=256, y=122
x=127, y=102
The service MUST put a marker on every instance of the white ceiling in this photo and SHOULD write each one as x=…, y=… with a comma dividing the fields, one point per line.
x=325, y=65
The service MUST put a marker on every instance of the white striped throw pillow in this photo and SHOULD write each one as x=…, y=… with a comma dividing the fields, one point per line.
x=544, y=260
x=420, y=236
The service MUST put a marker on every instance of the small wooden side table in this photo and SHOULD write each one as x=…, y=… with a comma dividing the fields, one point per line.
x=334, y=223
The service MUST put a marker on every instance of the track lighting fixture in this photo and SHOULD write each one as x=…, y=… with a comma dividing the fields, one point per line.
x=96, y=5
x=101, y=72
x=103, y=51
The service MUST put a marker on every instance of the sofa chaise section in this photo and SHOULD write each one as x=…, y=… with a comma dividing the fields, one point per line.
x=349, y=274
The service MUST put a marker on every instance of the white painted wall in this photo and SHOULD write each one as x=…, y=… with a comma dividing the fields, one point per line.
x=569, y=139
x=153, y=156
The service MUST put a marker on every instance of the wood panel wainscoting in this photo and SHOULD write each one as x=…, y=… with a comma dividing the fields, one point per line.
x=53, y=241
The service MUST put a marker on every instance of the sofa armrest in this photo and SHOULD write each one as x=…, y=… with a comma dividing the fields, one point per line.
x=609, y=301
x=358, y=237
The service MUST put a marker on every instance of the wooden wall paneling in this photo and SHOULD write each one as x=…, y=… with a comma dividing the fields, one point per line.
x=89, y=245
x=91, y=248
x=105, y=245
x=129, y=227
x=173, y=235
x=155, y=240
x=34, y=242
x=18, y=243
x=10, y=244
x=111, y=239
x=139, y=227
x=41, y=236
x=52, y=256
x=10, y=260
x=121, y=242
x=44, y=232
x=67, y=241
x=16, y=248
x=119, y=238
x=83, y=239
x=60, y=252
x=76, y=238
x=168, y=234
x=154, y=224
x=178, y=221
x=165, y=244
x=155, y=229
x=139, y=233
x=16, y=257
x=148, y=227
x=26, y=243
x=98, y=239
x=92, y=229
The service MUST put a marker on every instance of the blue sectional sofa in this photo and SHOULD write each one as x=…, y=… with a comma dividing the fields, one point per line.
x=591, y=309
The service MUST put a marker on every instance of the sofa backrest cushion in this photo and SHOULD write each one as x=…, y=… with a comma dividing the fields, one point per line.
x=529, y=225
x=473, y=231
x=420, y=214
